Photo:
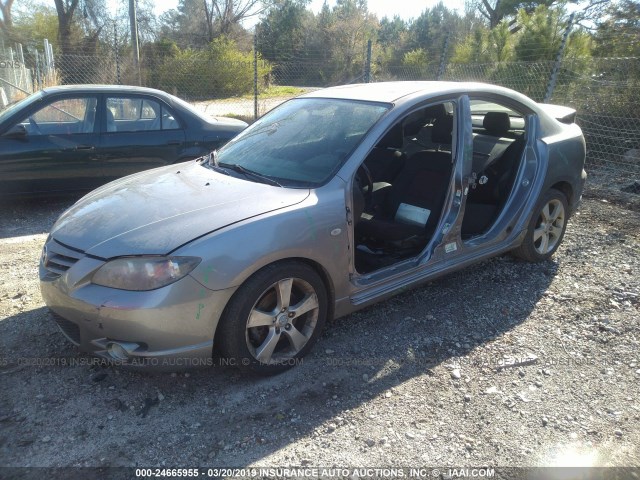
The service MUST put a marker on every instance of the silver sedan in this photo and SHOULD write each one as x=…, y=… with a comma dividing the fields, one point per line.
x=331, y=202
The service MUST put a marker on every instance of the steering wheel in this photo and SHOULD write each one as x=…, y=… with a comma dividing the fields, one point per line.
x=365, y=179
x=34, y=126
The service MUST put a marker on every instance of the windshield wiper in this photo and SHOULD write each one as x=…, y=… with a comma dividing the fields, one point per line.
x=211, y=161
x=249, y=173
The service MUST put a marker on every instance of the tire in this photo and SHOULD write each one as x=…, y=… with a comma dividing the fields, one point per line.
x=546, y=228
x=287, y=304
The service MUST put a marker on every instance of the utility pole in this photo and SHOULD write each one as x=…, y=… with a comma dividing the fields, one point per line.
x=133, y=21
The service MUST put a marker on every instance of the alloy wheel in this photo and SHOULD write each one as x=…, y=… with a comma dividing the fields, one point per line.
x=549, y=227
x=282, y=321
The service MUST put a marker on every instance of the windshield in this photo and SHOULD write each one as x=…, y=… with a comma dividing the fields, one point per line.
x=302, y=142
x=34, y=97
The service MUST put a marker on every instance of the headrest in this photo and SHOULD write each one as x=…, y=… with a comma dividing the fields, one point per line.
x=497, y=123
x=394, y=138
x=415, y=121
x=435, y=111
x=442, y=130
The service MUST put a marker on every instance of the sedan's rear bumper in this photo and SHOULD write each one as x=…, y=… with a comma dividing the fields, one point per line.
x=577, y=200
x=166, y=329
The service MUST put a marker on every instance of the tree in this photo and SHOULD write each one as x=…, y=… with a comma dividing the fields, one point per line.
x=485, y=45
x=430, y=29
x=350, y=31
x=195, y=23
x=186, y=25
x=223, y=15
x=494, y=11
x=392, y=40
x=619, y=33
x=542, y=33
x=538, y=39
x=282, y=33
x=32, y=29
x=79, y=32
x=6, y=22
x=66, y=10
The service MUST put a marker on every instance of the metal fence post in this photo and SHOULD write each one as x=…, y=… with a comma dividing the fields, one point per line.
x=255, y=75
x=115, y=48
x=551, y=85
x=133, y=24
x=367, y=65
x=38, y=80
x=443, y=57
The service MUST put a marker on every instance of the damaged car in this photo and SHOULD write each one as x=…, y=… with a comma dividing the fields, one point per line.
x=331, y=202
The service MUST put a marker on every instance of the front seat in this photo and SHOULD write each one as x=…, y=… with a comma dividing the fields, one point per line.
x=111, y=122
x=423, y=183
x=386, y=159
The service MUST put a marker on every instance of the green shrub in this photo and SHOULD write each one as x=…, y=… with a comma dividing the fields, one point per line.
x=221, y=70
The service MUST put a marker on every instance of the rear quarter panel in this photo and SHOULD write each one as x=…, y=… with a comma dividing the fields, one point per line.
x=567, y=152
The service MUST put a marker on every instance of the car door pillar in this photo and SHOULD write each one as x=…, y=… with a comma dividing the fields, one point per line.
x=447, y=240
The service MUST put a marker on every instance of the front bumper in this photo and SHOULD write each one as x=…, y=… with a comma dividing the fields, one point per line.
x=165, y=329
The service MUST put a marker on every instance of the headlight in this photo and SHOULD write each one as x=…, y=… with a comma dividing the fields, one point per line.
x=143, y=273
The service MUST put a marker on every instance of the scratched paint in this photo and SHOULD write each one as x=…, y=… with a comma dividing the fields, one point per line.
x=208, y=271
x=202, y=294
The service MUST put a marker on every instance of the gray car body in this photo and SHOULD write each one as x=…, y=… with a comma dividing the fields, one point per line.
x=238, y=227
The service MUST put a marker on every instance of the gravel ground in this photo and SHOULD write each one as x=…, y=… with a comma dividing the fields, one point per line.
x=502, y=364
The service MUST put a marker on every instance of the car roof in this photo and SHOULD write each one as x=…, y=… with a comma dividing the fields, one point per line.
x=103, y=89
x=407, y=92
x=391, y=92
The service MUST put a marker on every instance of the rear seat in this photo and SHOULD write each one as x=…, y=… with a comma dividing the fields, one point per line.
x=491, y=144
x=495, y=160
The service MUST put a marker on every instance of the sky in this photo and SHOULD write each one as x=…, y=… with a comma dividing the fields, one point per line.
x=406, y=9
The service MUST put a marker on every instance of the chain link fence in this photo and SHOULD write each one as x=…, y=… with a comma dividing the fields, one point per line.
x=604, y=91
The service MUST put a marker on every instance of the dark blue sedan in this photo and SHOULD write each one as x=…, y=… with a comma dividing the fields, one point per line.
x=75, y=138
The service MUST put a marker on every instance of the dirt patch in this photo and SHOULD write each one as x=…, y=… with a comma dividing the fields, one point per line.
x=504, y=364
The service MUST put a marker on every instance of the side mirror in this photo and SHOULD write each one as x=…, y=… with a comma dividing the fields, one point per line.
x=17, y=131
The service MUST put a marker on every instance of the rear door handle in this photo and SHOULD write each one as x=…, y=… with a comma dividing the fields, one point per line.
x=85, y=147
x=173, y=143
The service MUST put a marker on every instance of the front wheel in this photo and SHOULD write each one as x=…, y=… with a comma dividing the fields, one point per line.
x=546, y=228
x=274, y=318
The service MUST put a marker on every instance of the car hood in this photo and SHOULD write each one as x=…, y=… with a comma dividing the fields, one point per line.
x=157, y=211
x=234, y=122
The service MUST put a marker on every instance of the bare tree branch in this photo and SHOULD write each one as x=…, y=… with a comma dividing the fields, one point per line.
x=226, y=13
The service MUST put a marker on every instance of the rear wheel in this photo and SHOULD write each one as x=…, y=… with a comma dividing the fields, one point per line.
x=546, y=228
x=274, y=318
